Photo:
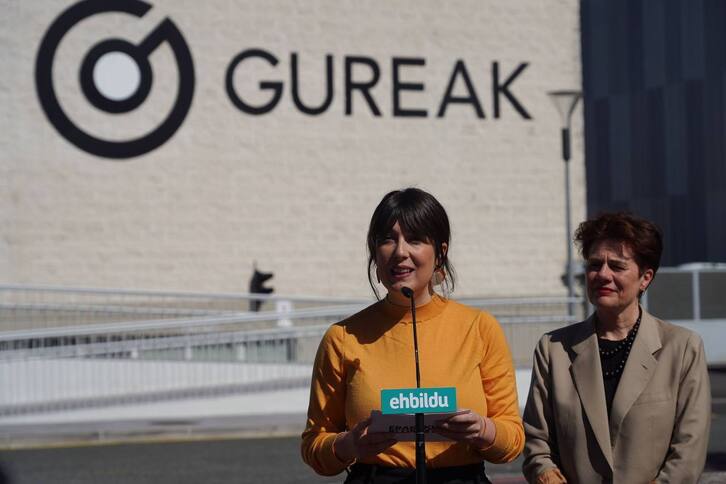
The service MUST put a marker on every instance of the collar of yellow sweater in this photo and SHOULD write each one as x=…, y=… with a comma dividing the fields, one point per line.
x=423, y=313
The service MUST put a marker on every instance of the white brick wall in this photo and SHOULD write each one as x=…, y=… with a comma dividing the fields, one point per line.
x=290, y=191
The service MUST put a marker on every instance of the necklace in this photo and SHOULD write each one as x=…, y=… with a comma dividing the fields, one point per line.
x=624, y=346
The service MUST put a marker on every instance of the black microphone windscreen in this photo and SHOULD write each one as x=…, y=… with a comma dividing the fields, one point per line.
x=407, y=291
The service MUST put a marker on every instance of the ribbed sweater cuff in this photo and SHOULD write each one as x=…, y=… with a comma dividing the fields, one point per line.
x=498, y=450
x=332, y=463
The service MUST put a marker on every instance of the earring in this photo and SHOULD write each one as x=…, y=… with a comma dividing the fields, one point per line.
x=438, y=277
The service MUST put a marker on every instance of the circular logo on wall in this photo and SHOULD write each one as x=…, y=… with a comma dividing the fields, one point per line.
x=99, y=79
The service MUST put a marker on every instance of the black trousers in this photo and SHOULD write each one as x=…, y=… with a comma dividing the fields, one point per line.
x=374, y=474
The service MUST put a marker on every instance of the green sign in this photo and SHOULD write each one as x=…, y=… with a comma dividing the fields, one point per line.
x=418, y=400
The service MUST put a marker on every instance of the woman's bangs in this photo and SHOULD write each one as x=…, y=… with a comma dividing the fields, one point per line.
x=414, y=225
x=411, y=223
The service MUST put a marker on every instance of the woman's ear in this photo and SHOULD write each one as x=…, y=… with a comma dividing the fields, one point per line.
x=646, y=279
x=444, y=249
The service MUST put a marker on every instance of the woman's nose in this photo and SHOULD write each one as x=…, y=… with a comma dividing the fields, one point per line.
x=604, y=272
x=402, y=248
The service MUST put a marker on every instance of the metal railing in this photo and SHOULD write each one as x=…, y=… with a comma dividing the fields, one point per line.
x=77, y=347
x=64, y=363
x=48, y=372
x=37, y=306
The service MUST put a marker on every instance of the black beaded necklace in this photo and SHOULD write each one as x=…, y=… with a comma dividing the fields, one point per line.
x=624, y=346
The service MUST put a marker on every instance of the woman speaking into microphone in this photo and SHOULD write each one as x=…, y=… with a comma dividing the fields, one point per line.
x=462, y=347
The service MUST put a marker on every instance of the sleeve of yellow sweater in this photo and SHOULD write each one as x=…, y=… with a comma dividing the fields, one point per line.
x=500, y=389
x=326, y=410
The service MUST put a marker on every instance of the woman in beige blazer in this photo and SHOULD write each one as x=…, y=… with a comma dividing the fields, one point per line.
x=621, y=397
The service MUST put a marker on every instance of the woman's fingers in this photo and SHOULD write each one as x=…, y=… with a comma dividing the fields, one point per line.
x=458, y=434
x=360, y=443
x=464, y=416
x=461, y=426
x=376, y=437
x=372, y=444
x=462, y=422
x=455, y=429
x=361, y=426
x=346, y=445
x=465, y=426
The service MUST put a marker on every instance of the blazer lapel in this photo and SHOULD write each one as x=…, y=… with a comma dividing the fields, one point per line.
x=637, y=372
x=587, y=375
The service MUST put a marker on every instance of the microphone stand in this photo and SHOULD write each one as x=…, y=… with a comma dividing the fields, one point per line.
x=420, y=436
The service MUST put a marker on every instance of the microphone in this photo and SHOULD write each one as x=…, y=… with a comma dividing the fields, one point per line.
x=420, y=437
x=408, y=292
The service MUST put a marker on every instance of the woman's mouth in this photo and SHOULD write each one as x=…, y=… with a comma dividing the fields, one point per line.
x=604, y=291
x=398, y=273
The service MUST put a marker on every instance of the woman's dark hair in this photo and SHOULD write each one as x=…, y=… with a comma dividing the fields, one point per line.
x=642, y=236
x=420, y=216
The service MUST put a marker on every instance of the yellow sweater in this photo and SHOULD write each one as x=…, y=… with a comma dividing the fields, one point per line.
x=372, y=350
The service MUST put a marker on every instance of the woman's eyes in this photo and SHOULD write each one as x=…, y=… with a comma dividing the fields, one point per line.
x=392, y=238
x=595, y=266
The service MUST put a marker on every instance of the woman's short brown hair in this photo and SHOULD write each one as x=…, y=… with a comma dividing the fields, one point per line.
x=642, y=236
x=419, y=215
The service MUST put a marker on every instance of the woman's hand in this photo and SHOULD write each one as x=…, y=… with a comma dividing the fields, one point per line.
x=467, y=426
x=551, y=476
x=358, y=443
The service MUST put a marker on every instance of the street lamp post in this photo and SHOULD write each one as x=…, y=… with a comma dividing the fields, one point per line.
x=565, y=102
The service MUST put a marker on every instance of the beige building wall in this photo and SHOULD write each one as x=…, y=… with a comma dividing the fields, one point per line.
x=291, y=191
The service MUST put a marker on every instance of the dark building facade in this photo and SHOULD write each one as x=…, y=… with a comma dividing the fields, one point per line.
x=654, y=75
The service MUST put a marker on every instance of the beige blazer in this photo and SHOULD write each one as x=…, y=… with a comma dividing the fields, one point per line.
x=661, y=414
